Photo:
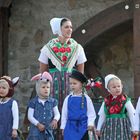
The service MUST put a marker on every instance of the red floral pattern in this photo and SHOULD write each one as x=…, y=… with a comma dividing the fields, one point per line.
x=55, y=49
x=62, y=51
x=115, y=105
x=94, y=83
x=68, y=49
x=98, y=84
x=64, y=58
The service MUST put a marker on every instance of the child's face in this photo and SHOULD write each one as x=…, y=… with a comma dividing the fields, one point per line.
x=4, y=89
x=45, y=89
x=115, y=86
x=75, y=85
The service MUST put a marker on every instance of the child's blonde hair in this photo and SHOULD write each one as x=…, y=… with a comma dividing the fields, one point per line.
x=4, y=82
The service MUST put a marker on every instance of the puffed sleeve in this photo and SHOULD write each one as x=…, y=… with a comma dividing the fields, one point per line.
x=43, y=58
x=81, y=55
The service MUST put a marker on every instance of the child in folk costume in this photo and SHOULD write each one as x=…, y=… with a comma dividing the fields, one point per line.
x=78, y=113
x=43, y=111
x=115, y=112
x=9, y=113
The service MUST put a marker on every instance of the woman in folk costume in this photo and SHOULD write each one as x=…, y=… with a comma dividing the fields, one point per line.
x=115, y=112
x=78, y=114
x=9, y=113
x=60, y=55
x=43, y=112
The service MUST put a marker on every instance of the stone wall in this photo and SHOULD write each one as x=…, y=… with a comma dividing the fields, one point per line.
x=29, y=30
x=116, y=57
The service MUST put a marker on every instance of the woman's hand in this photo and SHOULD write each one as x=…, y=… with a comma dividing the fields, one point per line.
x=14, y=133
x=54, y=124
x=41, y=127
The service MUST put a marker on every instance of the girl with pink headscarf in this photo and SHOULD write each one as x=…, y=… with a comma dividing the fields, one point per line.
x=43, y=112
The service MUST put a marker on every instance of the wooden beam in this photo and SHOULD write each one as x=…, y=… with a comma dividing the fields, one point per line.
x=136, y=34
x=4, y=17
x=5, y=3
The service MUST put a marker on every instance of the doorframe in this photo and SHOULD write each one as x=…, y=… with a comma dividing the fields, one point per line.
x=4, y=29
